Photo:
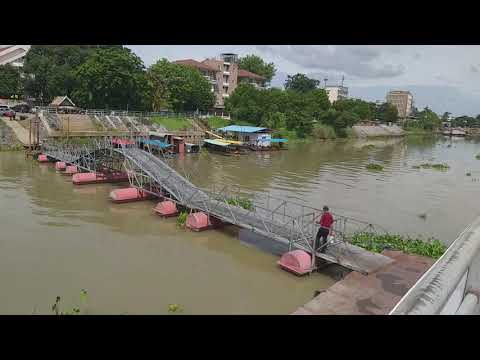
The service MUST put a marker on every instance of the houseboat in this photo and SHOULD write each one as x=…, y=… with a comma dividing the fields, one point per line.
x=252, y=137
x=224, y=146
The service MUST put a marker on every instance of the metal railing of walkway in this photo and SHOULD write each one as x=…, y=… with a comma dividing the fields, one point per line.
x=290, y=223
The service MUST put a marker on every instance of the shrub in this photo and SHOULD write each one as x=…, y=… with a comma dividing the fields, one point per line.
x=322, y=131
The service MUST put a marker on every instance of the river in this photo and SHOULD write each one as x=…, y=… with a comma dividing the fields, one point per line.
x=57, y=239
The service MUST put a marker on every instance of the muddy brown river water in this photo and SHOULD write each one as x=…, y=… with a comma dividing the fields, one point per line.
x=56, y=239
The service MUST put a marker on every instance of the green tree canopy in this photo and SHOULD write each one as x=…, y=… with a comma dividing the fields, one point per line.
x=301, y=83
x=9, y=81
x=255, y=64
x=179, y=87
x=387, y=113
x=49, y=69
x=111, y=78
x=359, y=107
x=428, y=120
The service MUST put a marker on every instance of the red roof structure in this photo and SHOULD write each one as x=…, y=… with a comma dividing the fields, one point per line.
x=196, y=64
x=250, y=75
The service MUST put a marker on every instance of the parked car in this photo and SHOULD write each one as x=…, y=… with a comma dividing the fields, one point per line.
x=22, y=108
x=7, y=111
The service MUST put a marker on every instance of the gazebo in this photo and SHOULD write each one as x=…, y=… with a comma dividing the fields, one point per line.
x=63, y=104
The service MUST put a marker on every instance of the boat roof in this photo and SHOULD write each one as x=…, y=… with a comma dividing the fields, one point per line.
x=278, y=140
x=158, y=143
x=217, y=142
x=243, y=129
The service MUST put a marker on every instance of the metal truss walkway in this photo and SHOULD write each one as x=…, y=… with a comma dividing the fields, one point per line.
x=289, y=223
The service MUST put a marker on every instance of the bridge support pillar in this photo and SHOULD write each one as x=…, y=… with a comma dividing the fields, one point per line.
x=298, y=262
x=60, y=166
x=128, y=195
x=166, y=208
x=42, y=158
x=70, y=170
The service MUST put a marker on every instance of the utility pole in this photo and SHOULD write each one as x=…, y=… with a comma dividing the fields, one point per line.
x=68, y=128
x=325, y=80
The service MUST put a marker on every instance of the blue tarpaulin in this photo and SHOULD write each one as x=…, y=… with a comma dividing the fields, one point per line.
x=278, y=140
x=158, y=143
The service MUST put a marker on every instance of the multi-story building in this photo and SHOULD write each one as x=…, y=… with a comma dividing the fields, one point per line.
x=403, y=101
x=209, y=72
x=13, y=54
x=336, y=93
x=248, y=77
x=224, y=75
x=227, y=76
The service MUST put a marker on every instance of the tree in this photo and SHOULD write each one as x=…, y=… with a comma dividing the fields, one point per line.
x=428, y=120
x=301, y=83
x=179, y=87
x=246, y=104
x=9, y=81
x=387, y=113
x=359, y=107
x=111, y=78
x=49, y=69
x=446, y=116
x=318, y=102
x=339, y=120
x=255, y=64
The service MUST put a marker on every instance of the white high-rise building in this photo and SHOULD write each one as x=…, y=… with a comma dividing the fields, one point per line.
x=13, y=54
x=336, y=93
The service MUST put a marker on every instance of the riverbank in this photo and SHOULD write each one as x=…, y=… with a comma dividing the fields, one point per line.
x=8, y=139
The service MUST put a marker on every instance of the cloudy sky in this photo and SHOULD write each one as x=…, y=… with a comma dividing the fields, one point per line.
x=446, y=78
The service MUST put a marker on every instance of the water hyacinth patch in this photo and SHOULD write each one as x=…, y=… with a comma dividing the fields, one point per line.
x=374, y=167
x=432, y=248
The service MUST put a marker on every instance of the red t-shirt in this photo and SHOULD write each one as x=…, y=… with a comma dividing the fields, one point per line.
x=326, y=220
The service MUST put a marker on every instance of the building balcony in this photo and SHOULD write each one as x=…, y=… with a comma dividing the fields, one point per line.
x=225, y=95
x=226, y=72
x=225, y=84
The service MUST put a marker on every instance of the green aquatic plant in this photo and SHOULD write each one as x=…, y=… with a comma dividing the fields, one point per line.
x=416, y=167
x=477, y=157
x=368, y=147
x=422, y=216
x=374, y=167
x=75, y=310
x=435, y=166
x=245, y=203
x=432, y=248
x=468, y=174
x=182, y=219
x=175, y=308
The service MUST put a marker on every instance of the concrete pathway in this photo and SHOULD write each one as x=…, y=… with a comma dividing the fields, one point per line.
x=20, y=132
x=374, y=294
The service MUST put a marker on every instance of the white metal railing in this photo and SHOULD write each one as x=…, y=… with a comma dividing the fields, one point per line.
x=446, y=287
x=166, y=113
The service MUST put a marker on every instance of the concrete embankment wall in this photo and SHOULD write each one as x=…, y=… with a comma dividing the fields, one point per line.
x=8, y=139
x=378, y=131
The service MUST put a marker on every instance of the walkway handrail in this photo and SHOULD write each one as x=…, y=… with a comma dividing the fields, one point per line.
x=433, y=290
x=116, y=112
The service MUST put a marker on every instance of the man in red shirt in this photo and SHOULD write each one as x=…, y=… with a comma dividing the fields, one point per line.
x=326, y=222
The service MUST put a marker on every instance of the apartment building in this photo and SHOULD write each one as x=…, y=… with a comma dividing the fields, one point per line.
x=248, y=77
x=336, y=93
x=403, y=101
x=224, y=75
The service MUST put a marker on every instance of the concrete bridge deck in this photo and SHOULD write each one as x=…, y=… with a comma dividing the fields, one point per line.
x=374, y=294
